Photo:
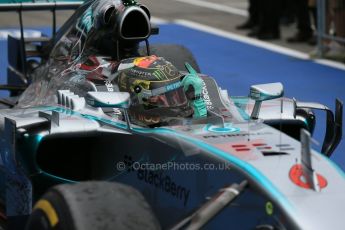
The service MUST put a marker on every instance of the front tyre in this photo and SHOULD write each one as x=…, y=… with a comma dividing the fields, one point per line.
x=92, y=206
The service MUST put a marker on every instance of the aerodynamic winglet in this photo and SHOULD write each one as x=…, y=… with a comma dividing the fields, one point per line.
x=334, y=124
x=338, y=126
x=308, y=171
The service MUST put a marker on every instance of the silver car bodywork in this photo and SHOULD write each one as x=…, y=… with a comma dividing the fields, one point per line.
x=54, y=136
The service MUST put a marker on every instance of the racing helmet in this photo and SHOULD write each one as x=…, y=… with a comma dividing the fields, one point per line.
x=156, y=90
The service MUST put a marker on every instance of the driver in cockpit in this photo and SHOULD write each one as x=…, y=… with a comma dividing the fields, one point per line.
x=159, y=92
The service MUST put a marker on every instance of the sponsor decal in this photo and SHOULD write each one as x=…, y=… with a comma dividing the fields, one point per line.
x=243, y=134
x=297, y=177
x=173, y=86
x=159, y=180
x=159, y=74
x=145, y=62
x=246, y=146
x=170, y=70
x=269, y=208
x=228, y=128
x=164, y=183
x=206, y=97
x=245, y=150
x=110, y=88
x=135, y=72
x=109, y=85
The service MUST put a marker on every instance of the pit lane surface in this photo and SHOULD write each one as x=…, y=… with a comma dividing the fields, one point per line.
x=224, y=53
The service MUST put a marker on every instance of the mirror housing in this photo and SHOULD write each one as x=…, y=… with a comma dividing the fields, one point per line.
x=264, y=92
x=108, y=99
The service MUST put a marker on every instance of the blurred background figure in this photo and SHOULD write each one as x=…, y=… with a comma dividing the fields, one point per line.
x=336, y=49
x=304, y=27
x=253, y=20
x=313, y=11
x=269, y=25
x=333, y=17
x=264, y=18
x=288, y=13
x=340, y=19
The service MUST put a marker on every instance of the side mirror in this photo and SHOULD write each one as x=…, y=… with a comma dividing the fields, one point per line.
x=108, y=99
x=264, y=92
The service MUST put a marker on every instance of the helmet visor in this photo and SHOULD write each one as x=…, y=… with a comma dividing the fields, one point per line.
x=172, y=98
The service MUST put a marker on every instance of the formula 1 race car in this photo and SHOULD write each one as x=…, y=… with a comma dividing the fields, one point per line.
x=102, y=133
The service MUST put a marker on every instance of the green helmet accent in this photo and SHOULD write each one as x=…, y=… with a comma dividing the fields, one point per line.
x=192, y=86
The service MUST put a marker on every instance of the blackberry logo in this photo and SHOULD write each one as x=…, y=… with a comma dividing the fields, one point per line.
x=157, y=179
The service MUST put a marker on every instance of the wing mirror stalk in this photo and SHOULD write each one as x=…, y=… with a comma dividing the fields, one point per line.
x=120, y=100
x=264, y=92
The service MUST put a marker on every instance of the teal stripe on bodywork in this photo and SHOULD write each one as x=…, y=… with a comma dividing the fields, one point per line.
x=58, y=178
x=250, y=170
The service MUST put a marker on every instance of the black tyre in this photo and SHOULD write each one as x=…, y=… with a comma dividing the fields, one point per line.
x=92, y=206
x=176, y=54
